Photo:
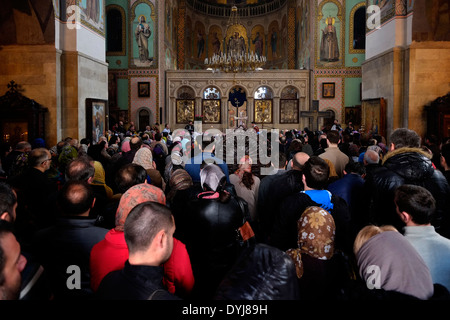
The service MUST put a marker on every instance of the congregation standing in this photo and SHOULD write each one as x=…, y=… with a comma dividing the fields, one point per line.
x=138, y=215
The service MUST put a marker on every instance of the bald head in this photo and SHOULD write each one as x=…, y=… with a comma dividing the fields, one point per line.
x=298, y=160
x=371, y=157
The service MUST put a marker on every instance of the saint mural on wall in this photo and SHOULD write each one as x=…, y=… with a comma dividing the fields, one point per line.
x=329, y=47
x=144, y=44
x=236, y=43
x=258, y=42
x=142, y=34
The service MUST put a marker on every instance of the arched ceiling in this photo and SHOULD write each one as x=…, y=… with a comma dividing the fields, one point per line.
x=235, y=2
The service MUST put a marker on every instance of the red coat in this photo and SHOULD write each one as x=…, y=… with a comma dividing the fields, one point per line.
x=111, y=253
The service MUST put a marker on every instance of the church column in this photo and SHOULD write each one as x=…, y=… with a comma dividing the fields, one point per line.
x=224, y=112
x=172, y=110
x=276, y=112
x=250, y=111
x=198, y=106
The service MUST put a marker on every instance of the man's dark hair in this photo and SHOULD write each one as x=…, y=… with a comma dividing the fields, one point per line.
x=5, y=228
x=355, y=167
x=158, y=136
x=333, y=136
x=445, y=152
x=404, y=137
x=144, y=222
x=37, y=156
x=75, y=197
x=130, y=175
x=80, y=169
x=7, y=199
x=316, y=172
x=22, y=145
x=135, y=143
x=417, y=201
x=85, y=141
x=282, y=160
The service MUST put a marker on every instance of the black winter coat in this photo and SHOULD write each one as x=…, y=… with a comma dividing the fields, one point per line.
x=262, y=272
x=406, y=166
x=210, y=233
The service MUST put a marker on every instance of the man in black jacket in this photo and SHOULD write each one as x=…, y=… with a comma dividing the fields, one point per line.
x=406, y=163
x=315, y=178
x=148, y=232
x=64, y=249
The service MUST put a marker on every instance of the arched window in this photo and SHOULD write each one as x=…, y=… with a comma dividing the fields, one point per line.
x=144, y=119
x=263, y=105
x=211, y=105
x=115, y=30
x=358, y=29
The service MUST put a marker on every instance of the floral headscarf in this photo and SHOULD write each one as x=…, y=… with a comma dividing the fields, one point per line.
x=144, y=158
x=316, y=232
x=136, y=195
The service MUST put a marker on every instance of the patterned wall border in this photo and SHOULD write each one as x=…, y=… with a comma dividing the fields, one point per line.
x=341, y=16
x=351, y=26
x=154, y=17
x=124, y=30
x=349, y=72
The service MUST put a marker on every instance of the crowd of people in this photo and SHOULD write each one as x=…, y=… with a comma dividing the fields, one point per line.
x=163, y=215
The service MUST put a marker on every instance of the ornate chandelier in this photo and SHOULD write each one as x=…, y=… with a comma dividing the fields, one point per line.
x=235, y=57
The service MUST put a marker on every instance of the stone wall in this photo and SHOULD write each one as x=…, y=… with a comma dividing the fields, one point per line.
x=34, y=69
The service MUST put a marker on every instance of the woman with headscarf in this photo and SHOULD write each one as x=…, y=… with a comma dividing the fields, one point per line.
x=144, y=158
x=389, y=267
x=246, y=185
x=180, y=191
x=111, y=253
x=213, y=219
x=320, y=271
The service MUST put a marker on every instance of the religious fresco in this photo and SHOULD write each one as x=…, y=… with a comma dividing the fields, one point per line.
x=93, y=14
x=215, y=37
x=143, y=40
x=387, y=8
x=199, y=41
x=57, y=8
x=303, y=35
x=409, y=6
x=257, y=41
x=273, y=41
x=330, y=33
x=189, y=42
x=236, y=39
x=168, y=30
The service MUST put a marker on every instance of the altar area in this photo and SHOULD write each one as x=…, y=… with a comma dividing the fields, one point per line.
x=273, y=99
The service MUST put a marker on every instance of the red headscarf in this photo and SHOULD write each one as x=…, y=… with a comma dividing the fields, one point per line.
x=136, y=195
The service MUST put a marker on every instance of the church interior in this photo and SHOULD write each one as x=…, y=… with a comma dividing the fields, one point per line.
x=75, y=68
